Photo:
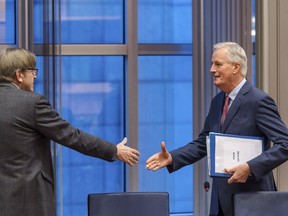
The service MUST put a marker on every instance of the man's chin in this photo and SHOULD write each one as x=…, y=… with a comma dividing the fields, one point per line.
x=216, y=82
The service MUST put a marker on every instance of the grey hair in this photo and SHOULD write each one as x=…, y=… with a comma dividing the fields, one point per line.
x=235, y=54
x=12, y=59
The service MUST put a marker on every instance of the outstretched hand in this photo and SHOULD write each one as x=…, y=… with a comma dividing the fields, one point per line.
x=127, y=154
x=159, y=160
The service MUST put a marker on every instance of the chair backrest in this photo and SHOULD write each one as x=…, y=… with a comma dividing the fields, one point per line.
x=268, y=203
x=129, y=204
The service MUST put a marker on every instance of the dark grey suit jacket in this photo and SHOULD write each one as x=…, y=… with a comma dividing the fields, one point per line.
x=252, y=113
x=28, y=123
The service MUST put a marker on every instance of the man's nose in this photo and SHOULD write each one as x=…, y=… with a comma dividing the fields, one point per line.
x=212, y=68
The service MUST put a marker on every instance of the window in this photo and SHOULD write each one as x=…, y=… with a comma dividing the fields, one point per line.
x=165, y=21
x=92, y=100
x=92, y=22
x=165, y=114
x=93, y=86
x=7, y=22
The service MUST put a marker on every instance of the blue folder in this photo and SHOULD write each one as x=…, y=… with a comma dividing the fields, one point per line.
x=227, y=151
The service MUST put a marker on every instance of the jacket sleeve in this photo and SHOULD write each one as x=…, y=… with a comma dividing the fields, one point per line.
x=50, y=124
x=270, y=124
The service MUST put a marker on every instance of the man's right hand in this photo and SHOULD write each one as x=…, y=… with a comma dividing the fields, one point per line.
x=159, y=160
x=127, y=154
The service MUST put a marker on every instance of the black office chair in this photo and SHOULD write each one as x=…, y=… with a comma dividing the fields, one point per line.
x=129, y=204
x=268, y=203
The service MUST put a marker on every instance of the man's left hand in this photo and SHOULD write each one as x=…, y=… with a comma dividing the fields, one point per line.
x=239, y=173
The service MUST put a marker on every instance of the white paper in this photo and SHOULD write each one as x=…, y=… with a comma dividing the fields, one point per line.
x=232, y=151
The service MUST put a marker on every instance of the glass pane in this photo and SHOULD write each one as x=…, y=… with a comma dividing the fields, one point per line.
x=165, y=114
x=90, y=21
x=39, y=81
x=7, y=22
x=165, y=21
x=39, y=21
x=92, y=100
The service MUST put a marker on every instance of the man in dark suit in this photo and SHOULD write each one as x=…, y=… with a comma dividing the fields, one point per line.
x=28, y=123
x=251, y=112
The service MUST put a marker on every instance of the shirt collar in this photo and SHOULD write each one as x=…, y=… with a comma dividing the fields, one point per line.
x=236, y=90
x=15, y=85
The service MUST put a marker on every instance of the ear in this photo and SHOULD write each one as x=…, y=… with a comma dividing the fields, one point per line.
x=19, y=76
x=237, y=67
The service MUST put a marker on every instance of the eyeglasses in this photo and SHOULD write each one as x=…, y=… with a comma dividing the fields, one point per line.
x=33, y=70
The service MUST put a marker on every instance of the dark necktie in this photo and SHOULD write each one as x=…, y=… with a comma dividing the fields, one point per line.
x=225, y=109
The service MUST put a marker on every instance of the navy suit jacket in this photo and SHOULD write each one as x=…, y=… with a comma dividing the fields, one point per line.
x=252, y=113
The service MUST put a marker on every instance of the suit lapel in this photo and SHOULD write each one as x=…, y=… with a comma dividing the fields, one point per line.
x=236, y=105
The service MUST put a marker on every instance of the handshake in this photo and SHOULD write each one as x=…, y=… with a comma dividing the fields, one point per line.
x=131, y=156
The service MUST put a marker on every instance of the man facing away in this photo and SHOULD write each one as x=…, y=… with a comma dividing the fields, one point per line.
x=251, y=112
x=28, y=123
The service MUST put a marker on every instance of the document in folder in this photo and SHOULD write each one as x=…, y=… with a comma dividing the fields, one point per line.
x=227, y=151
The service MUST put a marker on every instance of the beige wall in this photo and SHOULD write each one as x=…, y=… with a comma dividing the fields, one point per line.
x=272, y=57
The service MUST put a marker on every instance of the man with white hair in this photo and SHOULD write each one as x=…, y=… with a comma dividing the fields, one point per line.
x=249, y=112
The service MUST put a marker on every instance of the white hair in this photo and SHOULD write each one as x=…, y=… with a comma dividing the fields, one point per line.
x=235, y=54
